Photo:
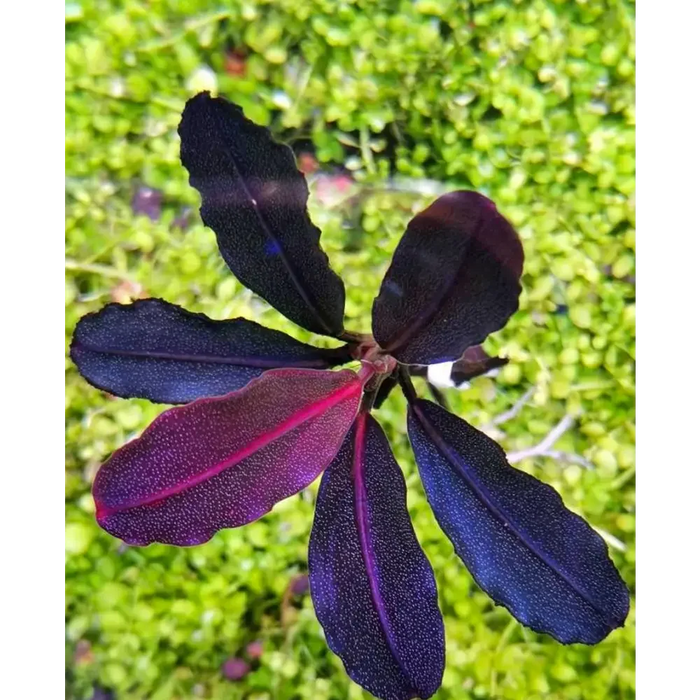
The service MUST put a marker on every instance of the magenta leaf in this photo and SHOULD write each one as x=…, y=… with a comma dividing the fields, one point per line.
x=224, y=462
x=454, y=278
x=155, y=350
x=514, y=534
x=254, y=199
x=372, y=587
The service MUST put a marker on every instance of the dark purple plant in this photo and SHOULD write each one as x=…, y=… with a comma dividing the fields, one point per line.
x=265, y=415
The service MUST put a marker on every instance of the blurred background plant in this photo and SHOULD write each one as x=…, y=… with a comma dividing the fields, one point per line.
x=387, y=103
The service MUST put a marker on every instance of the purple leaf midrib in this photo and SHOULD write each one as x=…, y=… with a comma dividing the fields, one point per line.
x=480, y=492
x=260, y=362
x=363, y=528
x=229, y=155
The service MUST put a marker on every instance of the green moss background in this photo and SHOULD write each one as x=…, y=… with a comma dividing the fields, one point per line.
x=530, y=102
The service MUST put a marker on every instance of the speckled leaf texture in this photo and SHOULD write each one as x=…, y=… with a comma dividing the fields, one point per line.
x=155, y=350
x=372, y=587
x=514, y=534
x=454, y=278
x=224, y=462
x=254, y=199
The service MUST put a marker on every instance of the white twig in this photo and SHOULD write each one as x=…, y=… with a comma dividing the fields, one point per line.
x=559, y=429
x=491, y=428
x=571, y=457
x=544, y=448
x=513, y=411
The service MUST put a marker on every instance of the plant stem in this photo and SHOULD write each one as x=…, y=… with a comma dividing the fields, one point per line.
x=407, y=387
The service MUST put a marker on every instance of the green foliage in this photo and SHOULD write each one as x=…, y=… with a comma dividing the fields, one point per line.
x=530, y=102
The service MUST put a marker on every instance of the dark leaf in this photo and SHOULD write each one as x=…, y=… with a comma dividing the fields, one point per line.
x=155, y=350
x=371, y=585
x=454, y=279
x=224, y=462
x=254, y=199
x=473, y=363
x=523, y=547
x=418, y=370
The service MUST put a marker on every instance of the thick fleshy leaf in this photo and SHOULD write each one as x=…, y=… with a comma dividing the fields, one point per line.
x=521, y=544
x=454, y=279
x=254, y=199
x=372, y=587
x=224, y=462
x=155, y=350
